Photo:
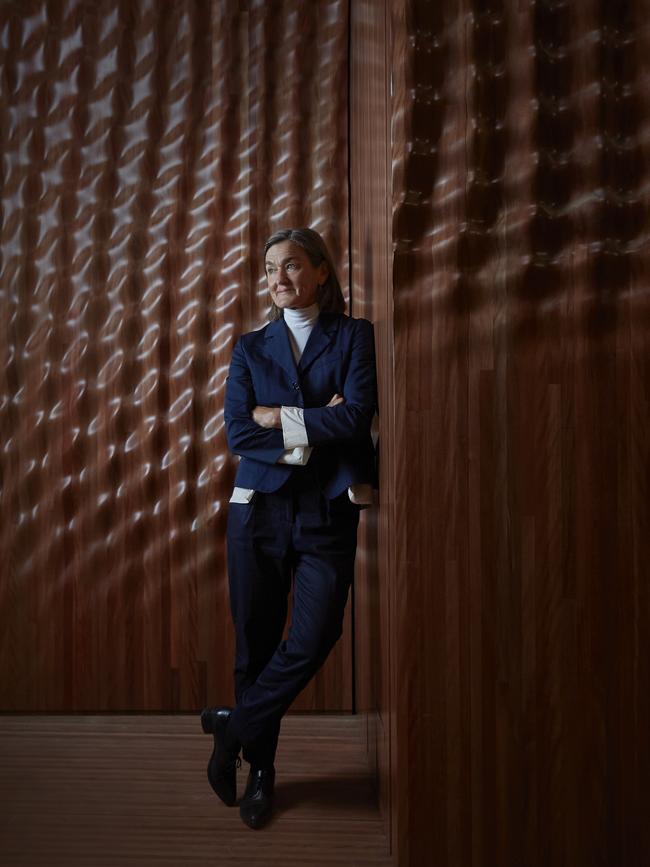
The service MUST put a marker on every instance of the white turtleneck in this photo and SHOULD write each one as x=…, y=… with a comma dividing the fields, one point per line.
x=300, y=322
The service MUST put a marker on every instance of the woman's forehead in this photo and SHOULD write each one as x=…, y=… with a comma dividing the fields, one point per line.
x=284, y=250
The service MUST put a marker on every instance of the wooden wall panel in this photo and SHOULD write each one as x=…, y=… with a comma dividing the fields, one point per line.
x=372, y=299
x=147, y=154
x=517, y=438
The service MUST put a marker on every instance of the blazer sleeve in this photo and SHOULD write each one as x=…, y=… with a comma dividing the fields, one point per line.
x=350, y=420
x=245, y=437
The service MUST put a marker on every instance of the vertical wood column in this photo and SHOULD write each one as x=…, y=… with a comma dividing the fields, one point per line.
x=372, y=299
x=510, y=590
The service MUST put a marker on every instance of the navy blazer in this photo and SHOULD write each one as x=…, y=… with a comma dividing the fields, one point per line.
x=339, y=358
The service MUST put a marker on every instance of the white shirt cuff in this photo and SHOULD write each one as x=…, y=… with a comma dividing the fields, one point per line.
x=293, y=426
x=242, y=495
x=297, y=457
x=361, y=494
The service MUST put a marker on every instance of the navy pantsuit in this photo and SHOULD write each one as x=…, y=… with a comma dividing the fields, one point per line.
x=300, y=525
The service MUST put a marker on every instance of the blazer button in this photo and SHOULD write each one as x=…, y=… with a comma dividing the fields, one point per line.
x=295, y=386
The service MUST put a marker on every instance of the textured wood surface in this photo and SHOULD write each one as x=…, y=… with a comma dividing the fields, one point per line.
x=148, y=151
x=96, y=791
x=370, y=202
x=518, y=445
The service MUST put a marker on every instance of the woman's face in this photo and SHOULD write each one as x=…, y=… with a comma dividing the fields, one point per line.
x=293, y=281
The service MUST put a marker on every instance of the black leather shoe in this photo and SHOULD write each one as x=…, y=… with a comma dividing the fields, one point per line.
x=256, y=806
x=224, y=761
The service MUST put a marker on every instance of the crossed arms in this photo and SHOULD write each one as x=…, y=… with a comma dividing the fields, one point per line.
x=256, y=431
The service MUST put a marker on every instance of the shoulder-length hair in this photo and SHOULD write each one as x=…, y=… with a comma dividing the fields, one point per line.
x=330, y=297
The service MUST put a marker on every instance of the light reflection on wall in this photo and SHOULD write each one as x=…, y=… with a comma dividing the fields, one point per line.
x=146, y=159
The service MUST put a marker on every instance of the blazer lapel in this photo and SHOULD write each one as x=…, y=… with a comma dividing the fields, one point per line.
x=320, y=339
x=277, y=346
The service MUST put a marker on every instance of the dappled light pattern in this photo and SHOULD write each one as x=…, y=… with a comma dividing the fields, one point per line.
x=148, y=150
x=521, y=429
x=506, y=587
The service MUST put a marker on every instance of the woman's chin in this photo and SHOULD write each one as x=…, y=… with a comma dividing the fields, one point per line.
x=284, y=299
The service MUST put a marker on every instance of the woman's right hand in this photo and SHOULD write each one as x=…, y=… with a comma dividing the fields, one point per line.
x=336, y=400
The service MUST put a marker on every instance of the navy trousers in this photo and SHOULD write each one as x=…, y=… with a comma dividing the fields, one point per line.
x=297, y=534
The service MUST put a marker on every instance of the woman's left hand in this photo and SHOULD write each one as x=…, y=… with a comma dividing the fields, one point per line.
x=267, y=416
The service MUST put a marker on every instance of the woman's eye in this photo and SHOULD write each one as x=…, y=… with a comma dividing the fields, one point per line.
x=291, y=266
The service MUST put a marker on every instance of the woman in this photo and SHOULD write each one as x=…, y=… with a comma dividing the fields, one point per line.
x=300, y=398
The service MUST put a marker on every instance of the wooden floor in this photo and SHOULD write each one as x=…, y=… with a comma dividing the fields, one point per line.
x=129, y=791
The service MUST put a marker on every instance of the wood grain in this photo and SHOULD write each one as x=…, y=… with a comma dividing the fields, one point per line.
x=101, y=790
x=516, y=435
x=147, y=155
x=371, y=296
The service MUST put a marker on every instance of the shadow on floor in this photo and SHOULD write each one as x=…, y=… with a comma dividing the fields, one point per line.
x=335, y=794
